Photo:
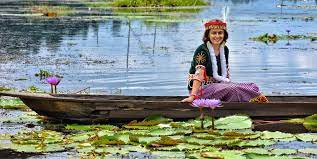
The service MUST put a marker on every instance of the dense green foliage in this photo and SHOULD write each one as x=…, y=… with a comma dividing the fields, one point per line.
x=157, y=3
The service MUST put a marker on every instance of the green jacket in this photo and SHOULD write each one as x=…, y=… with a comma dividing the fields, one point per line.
x=202, y=57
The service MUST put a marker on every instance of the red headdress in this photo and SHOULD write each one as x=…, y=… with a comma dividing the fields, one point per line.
x=215, y=24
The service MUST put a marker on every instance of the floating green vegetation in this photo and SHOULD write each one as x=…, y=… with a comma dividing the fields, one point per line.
x=52, y=11
x=148, y=3
x=5, y=89
x=40, y=141
x=29, y=117
x=273, y=38
x=182, y=141
x=90, y=127
x=45, y=74
x=310, y=122
x=12, y=104
x=158, y=10
x=33, y=89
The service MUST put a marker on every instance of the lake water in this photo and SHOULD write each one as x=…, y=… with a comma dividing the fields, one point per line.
x=89, y=48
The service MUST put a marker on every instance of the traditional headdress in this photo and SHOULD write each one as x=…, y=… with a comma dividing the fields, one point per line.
x=215, y=24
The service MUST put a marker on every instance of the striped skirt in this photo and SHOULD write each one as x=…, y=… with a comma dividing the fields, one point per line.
x=232, y=92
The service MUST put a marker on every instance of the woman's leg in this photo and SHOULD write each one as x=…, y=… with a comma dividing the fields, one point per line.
x=233, y=92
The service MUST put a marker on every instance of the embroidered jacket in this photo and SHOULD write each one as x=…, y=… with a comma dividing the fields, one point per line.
x=202, y=57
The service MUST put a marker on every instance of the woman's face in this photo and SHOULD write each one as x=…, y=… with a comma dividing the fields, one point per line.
x=216, y=36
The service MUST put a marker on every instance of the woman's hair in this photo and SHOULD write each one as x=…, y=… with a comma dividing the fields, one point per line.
x=206, y=36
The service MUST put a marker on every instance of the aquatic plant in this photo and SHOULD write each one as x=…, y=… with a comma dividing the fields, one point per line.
x=157, y=3
x=37, y=141
x=90, y=127
x=43, y=74
x=183, y=141
x=53, y=81
x=307, y=137
x=310, y=123
x=234, y=122
x=5, y=89
x=273, y=38
x=165, y=141
x=33, y=89
x=210, y=103
x=12, y=104
x=25, y=118
x=308, y=151
x=52, y=11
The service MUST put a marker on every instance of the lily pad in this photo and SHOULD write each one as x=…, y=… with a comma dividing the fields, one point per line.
x=167, y=154
x=158, y=118
x=223, y=155
x=85, y=149
x=258, y=156
x=165, y=141
x=310, y=123
x=124, y=149
x=180, y=147
x=295, y=121
x=275, y=135
x=283, y=151
x=308, y=150
x=44, y=137
x=144, y=140
x=5, y=136
x=141, y=127
x=260, y=151
x=162, y=132
x=26, y=117
x=80, y=137
x=307, y=137
x=5, y=89
x=177, y=137
x=37, y=148
x=216, y=142
x=135, y=132
x=234, y=122
x=109, y=140
x=255, y=143
x=106, y=132
x=12, y=104
x=205, y=136
x=241, y=135
x=90, y=127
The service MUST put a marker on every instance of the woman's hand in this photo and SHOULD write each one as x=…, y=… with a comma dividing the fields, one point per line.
x=188, y=99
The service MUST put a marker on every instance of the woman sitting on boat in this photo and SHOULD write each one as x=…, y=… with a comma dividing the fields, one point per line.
x=209, y=71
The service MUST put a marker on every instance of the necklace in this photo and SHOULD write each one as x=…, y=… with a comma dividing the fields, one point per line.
x=215, y=66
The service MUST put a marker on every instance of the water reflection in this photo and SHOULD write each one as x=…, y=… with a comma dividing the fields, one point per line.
x=22, y=35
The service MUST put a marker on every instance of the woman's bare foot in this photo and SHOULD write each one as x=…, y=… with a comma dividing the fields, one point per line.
x=188, y=99
x=260, y=99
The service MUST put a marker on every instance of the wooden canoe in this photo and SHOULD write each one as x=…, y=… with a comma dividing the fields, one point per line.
x=96, y=108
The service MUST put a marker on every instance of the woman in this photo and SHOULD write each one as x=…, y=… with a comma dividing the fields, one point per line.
x=209, y=71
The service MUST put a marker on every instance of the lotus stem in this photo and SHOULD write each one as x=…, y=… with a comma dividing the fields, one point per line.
x=212, y=119
x=201, y=117
x=53, y=89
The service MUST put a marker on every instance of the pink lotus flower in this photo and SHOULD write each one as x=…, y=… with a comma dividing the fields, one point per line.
x=53, y=80
x=208, y=103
